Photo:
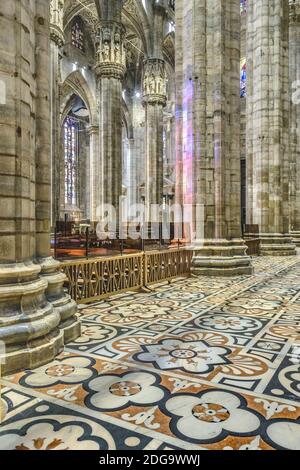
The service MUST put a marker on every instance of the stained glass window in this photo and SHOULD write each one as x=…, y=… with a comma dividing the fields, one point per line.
x=77, y=36
x=71, y=128
x=243, y=78
x=243, y=4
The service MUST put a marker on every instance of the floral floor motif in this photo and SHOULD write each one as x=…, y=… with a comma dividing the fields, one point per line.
x=198, y=364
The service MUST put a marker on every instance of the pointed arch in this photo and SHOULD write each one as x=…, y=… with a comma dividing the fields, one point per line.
x=75, y=83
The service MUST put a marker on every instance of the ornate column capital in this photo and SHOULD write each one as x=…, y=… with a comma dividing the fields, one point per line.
x=294, y=11
x=57, y=22
x=111, y=54
x=155, y=82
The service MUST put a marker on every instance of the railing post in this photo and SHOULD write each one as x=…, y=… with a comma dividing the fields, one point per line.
x=143, y=236
x=160, y=235
x=145, y=272
x=87, y=243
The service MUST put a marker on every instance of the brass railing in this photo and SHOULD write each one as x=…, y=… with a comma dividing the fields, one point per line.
x=95, y=279
x=165, y=265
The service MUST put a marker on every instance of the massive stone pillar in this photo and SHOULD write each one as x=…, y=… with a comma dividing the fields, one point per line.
x=136, y=148
x=294, y=47
x=130, y=159
x=50, y=268
x=208, y=132
x=268, y=151
x=29, y=323
x=57, y=41
x=154, y=100
x=110, y=70
x=132, y=174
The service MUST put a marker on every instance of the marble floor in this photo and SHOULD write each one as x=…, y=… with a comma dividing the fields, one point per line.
x=199, y=364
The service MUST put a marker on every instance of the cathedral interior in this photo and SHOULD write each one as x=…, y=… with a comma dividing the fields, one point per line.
x=150, y=225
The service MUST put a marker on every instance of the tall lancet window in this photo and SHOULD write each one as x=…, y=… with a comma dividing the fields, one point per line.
x=71, y=128
x=243, y=78
x=77, y=35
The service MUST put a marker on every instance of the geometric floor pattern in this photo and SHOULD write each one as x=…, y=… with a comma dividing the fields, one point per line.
x=201, y=363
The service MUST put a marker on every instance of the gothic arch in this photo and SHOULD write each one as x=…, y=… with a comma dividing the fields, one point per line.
x=169, y=49
x=133, y=13
x=76, y=83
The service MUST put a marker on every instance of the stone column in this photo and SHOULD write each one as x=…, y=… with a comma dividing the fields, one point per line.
x=154, y=100
x=110, y=70
x=208, y=132
x=29, y=324
x=294, y=48
x=132, y=173
x=50, y=268
x=137, y=149
x=268, y=151
x=57, y=41
x=170, y=147
x=95, y=177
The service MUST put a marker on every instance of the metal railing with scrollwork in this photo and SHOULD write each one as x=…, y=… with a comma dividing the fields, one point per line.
x=95, y=279
x=165, y=265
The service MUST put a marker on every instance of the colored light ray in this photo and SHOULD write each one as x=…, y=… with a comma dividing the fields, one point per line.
x=188, y=142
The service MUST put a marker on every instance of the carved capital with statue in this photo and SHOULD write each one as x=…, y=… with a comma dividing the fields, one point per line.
x=155, y=82
x=57, y=22
x=111, y=54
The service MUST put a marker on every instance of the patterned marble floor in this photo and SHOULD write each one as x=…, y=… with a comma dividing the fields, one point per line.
x=198, y=364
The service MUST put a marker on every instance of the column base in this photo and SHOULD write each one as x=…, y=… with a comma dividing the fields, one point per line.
x=34, y=353
x=276, y=245
x=70, y=325
x=221, y=258
x=295, y=238
x=29, y=325
x=62, y=302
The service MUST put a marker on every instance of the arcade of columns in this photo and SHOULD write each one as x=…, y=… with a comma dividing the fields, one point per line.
x=36, y=317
